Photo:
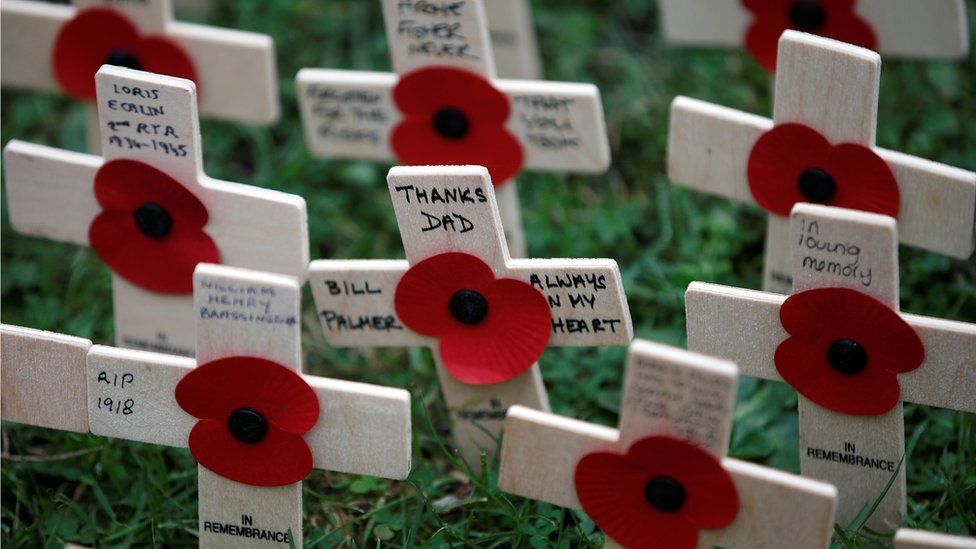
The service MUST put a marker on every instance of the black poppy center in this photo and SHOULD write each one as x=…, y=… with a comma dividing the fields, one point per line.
x=808, y=15
x=121, y=57
x=468, y=306
x=847, y=356
x=153, y=220
x=247, y=425
x=451, y=123
x=665, y=494
x=817, y=185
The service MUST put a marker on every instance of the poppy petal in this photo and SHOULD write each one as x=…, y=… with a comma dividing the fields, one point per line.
x=163, y=55
x=870, y=392
x=506, y=343
x=217, y=388
x=425, y=290
x=279, y=459
x=163, y=265
x=127, y=184
x=864, y=180
x=83, y=44
x=425, y=91
x=778, y=159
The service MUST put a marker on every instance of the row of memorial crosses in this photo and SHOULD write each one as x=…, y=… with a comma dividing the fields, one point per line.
x=443, y=104
x=256, y=424
x=933, y=29
x=819, y=148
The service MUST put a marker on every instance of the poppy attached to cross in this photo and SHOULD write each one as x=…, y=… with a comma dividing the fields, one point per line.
x=47, y=47
x=819, y=148
x=662, y=478
x=443, y=105
x=256, y=425
x=842, y=344
x=148, y=210
x=486, y=317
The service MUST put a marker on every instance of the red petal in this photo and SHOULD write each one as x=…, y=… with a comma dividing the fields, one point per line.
x=778, y=159
x=424, y=292
x=804, y=366
x=844, y=24
x=824, y=315
x=864, y=180
x=217, y=388
x=82, y=45
x=163, y=265
x=425, y=91
x=508, y=342
x=611, y=489
x=277, y=460
x=127, y=184
x=163, y=55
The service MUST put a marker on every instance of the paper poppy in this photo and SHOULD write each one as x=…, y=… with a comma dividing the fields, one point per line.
x=659, y=494
x=836, y=19
x=489, y=329
x=252, y=414
x=793, y=163
x=150, y=230
x=454, y=117
x=845, y=350
x=103, y=36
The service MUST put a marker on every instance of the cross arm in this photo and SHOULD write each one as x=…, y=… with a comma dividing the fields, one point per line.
x=704, y=22
x=350, y=114
x=709, y=146
x=743, y=326
x=354, y=300
x=586, y=299
x=907, y=538
x=362, y=429
x=27, y=33
x=50, y=192
x=43, y=378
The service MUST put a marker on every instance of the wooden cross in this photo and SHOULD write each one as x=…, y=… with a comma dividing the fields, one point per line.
x=352, y=114
x=361, y=429
x=831, y=88
x=902, y=28
x=235, y=70
x=447, y=209
x=151, y=120
x=674, y=393
x=838, y=248
x=513, y=40
x=907, y=538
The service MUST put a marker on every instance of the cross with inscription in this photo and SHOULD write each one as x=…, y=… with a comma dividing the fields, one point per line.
x=443, y=105
x=897, y=28
x=486, y=317
x=256, y=426
x=53, y=48
x=842, y=344
x=819, y=147
x=907, y=538
x=148, y=210
x=663, y=474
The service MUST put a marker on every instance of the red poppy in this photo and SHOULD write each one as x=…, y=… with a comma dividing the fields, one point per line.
x=845, y=350
x=454, y=117
x=99, y=36
x=659, y=494
x=794, y=163
x=489, y=329
x=835, y=19
x=150, y=230
x=252, y=414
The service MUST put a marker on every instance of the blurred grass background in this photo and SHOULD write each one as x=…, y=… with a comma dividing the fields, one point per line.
x=59, y=487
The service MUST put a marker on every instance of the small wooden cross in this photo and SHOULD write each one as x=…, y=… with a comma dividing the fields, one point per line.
x=831, y=88
x=681, y=395
x=898, y=28
x=858, y=443
x=352, y=114
x=235, y=70
x=451, y=210
x=906, y=538
x=151, y=139
x=133, y=395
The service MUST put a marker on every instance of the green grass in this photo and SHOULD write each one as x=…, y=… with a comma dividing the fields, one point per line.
x=61, y=487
